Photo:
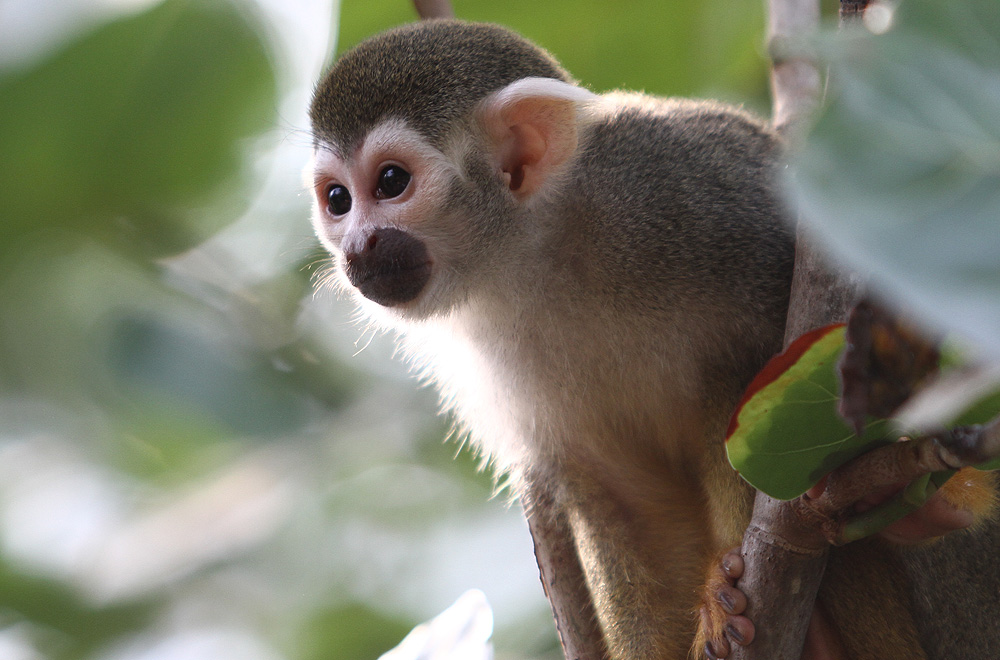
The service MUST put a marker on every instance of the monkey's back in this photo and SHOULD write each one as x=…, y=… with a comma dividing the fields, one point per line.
x=701, y=230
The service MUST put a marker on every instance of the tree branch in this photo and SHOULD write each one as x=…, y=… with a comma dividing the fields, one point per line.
x=784, y=557
x=852, y=10
x=434, y=9
x=784, y=552
x=795, y=79
x=561, y=574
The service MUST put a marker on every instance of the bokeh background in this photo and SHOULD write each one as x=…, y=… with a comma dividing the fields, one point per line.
x=202, y=456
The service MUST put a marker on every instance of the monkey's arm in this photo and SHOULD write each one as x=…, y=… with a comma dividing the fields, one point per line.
x=641, y=561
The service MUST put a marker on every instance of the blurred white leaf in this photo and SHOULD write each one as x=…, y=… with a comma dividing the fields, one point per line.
x=198, y=644
x=56, y=507
x=16, y=644
x=901, y=175
x=945, y=400
x=461, y=632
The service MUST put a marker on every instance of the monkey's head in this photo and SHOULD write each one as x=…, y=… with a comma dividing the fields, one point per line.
x=431, y=143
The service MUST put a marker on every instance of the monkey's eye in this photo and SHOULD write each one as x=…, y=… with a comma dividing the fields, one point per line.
x=338, y=200
x=392, y=182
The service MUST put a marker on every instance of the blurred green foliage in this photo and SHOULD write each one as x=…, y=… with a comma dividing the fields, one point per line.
x=351, y=631
x=712, y=48
x=118, y=135
x=74, y=628
x=191, y=443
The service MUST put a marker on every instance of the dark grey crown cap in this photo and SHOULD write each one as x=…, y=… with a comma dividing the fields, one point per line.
x=429, y=73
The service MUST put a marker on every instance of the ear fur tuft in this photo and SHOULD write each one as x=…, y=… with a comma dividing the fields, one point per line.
x=533, y=126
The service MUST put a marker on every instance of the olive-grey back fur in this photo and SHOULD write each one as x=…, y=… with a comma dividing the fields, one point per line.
x=429, y=73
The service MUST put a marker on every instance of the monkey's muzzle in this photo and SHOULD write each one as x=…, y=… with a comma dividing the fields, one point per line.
x=390, y=268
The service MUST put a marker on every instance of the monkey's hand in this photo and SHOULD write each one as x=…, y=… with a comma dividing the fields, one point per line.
x=967, y=498
x=886, y=361
x=848, y=503
x=721, y=622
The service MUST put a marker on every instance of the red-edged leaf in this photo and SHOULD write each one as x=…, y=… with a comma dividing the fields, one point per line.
x=786, y=434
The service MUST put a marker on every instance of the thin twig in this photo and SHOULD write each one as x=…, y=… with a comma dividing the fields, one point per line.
x=434, y=9
x=795, y=78
x=852, y=10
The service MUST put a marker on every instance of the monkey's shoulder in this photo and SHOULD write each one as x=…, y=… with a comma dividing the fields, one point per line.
x=693, y=185
x=690, y=164
x=690, y=136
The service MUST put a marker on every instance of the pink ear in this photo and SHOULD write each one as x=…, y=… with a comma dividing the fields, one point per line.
x=533, y=125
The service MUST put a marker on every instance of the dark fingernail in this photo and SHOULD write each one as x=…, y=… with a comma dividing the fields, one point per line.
x=709, y=653
x=728, y=602
x=727, y=566
x=735, y=635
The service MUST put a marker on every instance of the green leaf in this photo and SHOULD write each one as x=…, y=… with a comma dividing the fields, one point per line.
x=786, y=434
x=75, y=628
x=709, y=48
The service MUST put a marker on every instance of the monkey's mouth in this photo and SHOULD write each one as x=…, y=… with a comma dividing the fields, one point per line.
x=392, y=268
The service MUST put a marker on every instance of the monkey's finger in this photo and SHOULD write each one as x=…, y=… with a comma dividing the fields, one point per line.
x=711, y=632
x=968, y=496
x=731, y=600
x=935, y=518
x=732, y=565
x=740, y=630
x=722, y=603
x=717, y=649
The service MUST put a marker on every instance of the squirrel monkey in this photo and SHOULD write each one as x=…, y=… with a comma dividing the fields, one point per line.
x=590, y=281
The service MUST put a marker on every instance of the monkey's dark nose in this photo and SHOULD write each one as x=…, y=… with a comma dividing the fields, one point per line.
x=390, y=267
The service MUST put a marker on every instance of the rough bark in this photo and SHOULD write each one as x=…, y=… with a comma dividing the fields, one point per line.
x=562, y=576
x=785, y=555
